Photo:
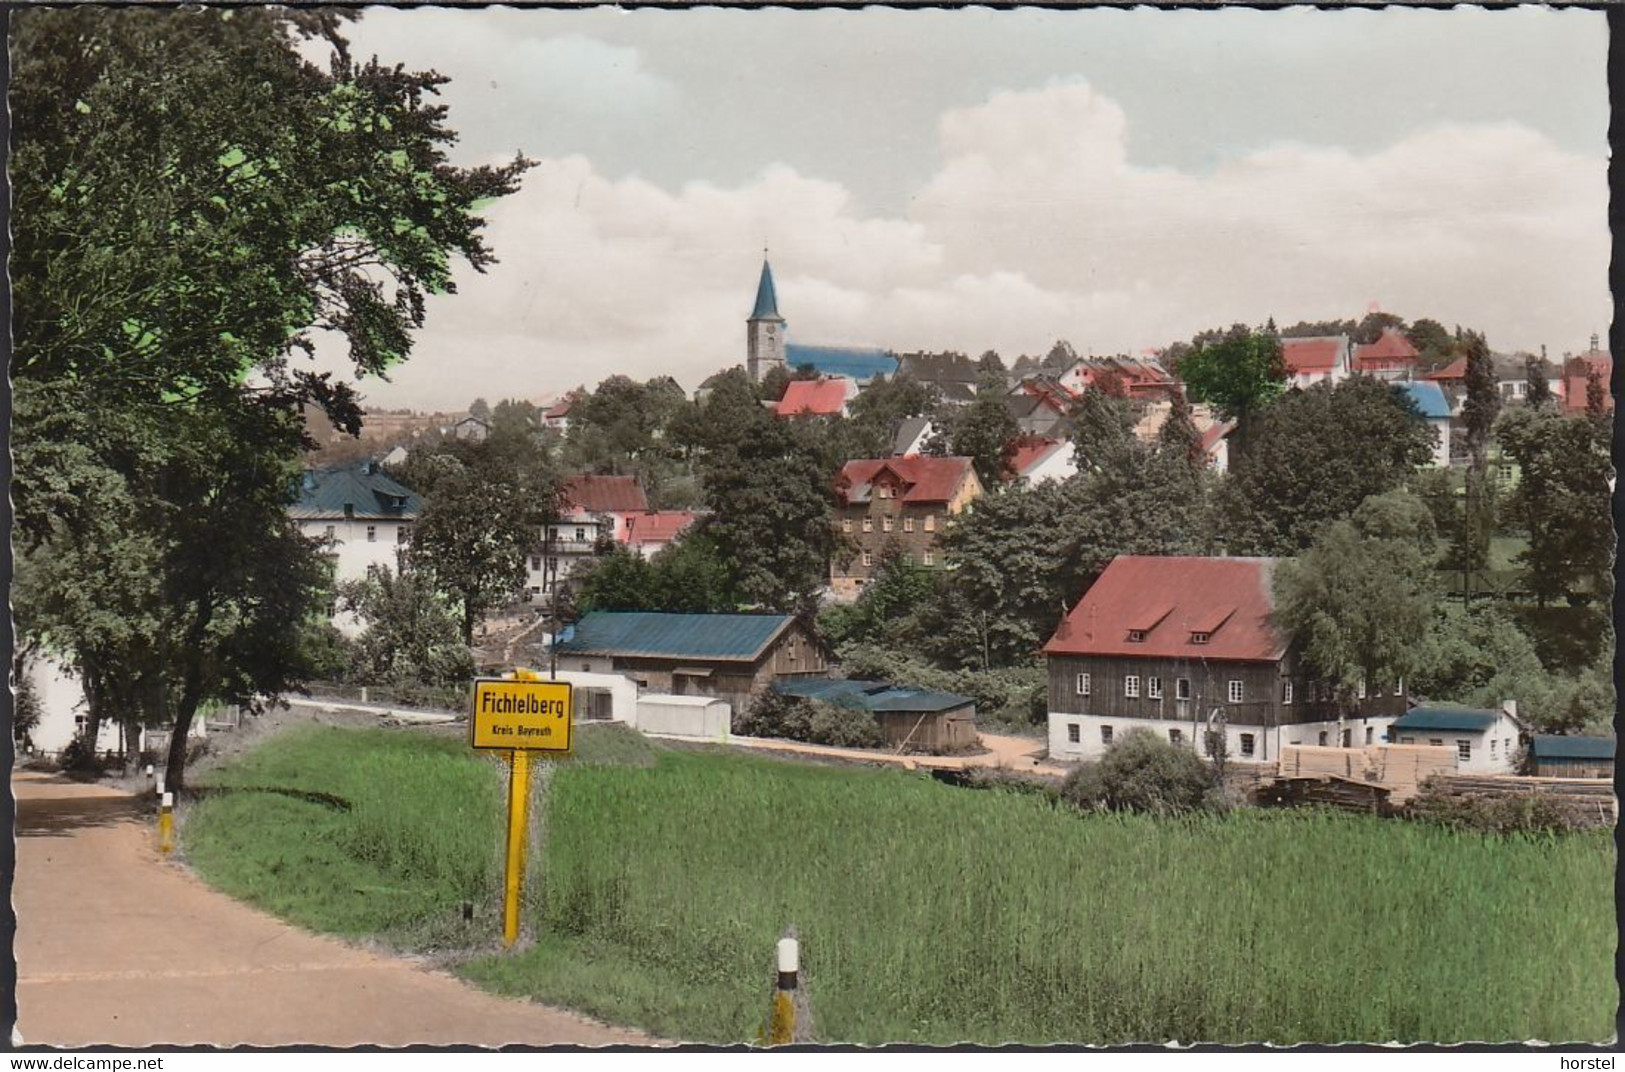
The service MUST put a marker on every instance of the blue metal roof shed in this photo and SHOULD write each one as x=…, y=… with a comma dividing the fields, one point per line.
x=1459, y=719
x=1555, y=746
x=721, y=637
x=873, y=695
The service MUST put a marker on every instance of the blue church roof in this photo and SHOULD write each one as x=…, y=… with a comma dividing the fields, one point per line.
x=767, y=299
x=1429, y=399
x=855, y=362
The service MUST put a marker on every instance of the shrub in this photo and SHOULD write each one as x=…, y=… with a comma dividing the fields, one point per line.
x=1142, y=772
x=1528, y=813
x=773, y=714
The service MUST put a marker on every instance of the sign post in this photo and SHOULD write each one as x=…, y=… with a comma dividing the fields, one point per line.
x=519, y=715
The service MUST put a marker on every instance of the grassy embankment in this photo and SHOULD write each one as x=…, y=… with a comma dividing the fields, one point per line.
x=927, y=913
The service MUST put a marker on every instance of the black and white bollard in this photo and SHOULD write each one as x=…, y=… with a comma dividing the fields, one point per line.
x=782, y=1028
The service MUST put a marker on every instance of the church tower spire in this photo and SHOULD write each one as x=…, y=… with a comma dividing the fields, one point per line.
x=764, y=330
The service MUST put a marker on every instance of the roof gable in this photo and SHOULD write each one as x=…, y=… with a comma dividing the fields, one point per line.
x=358, y=493
x=1391, y=348
x=661, y=526
x=1429, y=398
x=823, y=397
x=924, y=479
x=1228, y=599
x=1321, y=353
x=604, y=494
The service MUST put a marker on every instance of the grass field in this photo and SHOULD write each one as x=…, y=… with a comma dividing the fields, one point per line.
x=927, y=913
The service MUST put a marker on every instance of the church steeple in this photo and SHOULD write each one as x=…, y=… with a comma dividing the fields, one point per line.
x=764, y=331
x=767, y=298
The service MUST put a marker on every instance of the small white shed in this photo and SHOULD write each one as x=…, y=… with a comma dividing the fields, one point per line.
x=684, y=716
x=600, y=697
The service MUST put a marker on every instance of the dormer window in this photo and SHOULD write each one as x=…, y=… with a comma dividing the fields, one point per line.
x=1199, y=638
x=1136, y=636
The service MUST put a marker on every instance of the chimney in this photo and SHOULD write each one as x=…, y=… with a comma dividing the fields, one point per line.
x=1543, y=351
x=1509, y=708
x=1594, y=341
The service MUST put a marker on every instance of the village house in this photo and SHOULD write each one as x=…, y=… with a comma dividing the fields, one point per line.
x=918, y=720
x=902, y=503
x=1576, y=374
x=827, y=396
x=954, y=375
x=912, y=436
x=364, y=516
x=725, y=656
x=1391, y=357
x=1138, y=377
x=1040, y=405
x=471, y=428
x=1434, y=408
x=1486, y=742
x=647, y=534
x=592, y=510
x=1215, y=441
x=556, y=415
x=1554, y=756
x=1316, y=358
x=1186, y=648
x=1038, y=460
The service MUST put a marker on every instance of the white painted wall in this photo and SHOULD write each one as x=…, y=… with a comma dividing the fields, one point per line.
x=684, y=716
x=1059, y=465
x=1485, y=760
x=352, y=548
x=62, y=705
x=1266, y=741
x=623, y=691
x=1441, y=449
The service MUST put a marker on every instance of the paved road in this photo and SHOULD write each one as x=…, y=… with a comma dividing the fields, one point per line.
x=117, y=945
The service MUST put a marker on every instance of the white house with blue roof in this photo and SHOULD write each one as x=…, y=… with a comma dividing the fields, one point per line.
x=767, y=345
x=1434, y=407
x=1486, y=742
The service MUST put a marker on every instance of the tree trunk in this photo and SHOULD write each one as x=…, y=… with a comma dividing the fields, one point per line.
x=132, y=744
x=191, y=697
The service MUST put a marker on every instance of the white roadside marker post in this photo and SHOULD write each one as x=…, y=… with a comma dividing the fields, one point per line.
x=166, y=822
x=782, y=1028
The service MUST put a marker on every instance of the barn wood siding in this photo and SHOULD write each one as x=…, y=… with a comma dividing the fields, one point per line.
x=1261, y=691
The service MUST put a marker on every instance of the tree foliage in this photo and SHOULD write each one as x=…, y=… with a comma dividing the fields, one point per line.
x=690, y=576
x=1359, y=602
x=413, y=634
x=1237, y=373
x=197, y=201
x=1143, y=773
x=1317, y=454
x=1483, y=402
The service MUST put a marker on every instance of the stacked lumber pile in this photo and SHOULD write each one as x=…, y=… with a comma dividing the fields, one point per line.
x=1584, y=802
x=1351, y=794
x=1399, y=768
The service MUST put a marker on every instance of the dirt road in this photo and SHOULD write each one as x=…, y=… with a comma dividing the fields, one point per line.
x=117, y=945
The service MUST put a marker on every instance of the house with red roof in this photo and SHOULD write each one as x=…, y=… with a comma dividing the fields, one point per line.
x=827, y=396
x=1391, y=357
x=557, y=414
x=1187, y=648
x=895, y=504
x=1576, y=373
x=648, y=533
x=1038, y=459
x=593, y=510
x=1313, y=359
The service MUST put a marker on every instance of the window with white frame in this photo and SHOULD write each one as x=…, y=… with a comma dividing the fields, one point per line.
x=1199, y=638
x=536, y=563
x=928, y=557
x=1286, y=692
x=885, y=524
x=1369, y=731
x=1493, y=743
x=1464, y=750
x=1073, y=733
x=930, y=522
x=1182, y=688
x=846, y=524
x=868, y=559
x=1136, y=636
x=908, y=524
x=1083, y=684
x=581, y=534
x=868, y=524
x=1247, y=742
x=1131, y=686
x=372, y=533
x=1399, y=687
x=1153, y=688
x=1235, y=691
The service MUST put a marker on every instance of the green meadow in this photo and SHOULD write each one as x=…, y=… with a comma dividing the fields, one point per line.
x=927, y=913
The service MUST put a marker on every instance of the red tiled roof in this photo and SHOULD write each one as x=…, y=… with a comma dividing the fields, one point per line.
x=1456, y=370
x=1030, y=450
x=925, y=478
x=660, y=526
x=1311, y=355
x=1391, y=348
x=824, y=397
x=1229, y=598
x=1216, y=432
x=605, y=494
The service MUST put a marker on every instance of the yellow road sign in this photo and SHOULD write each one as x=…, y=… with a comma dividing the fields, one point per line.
x=517, y=714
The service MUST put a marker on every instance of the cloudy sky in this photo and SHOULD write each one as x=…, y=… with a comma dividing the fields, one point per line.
x=980, y=180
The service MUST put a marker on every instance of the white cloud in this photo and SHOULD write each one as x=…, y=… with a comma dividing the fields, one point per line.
x=1035, y=225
